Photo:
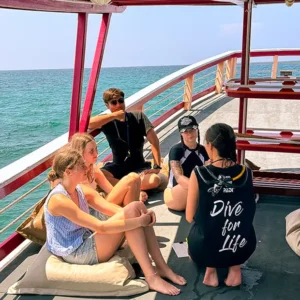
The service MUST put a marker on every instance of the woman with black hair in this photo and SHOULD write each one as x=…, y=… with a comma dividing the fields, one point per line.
x=221, y=206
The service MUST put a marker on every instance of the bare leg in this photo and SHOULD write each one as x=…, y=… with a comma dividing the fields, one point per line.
x=211, y=277
x=111, y=241
x=175, y=198
x=161, y=266
x=126, y=190
x=114, y=181
x=137, y=242
x=234, y=277
x=149, y=182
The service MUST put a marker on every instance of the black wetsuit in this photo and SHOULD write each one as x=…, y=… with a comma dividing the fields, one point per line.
x=188, y=158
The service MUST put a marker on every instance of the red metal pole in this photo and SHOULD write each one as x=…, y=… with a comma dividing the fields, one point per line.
x=91, y=91
x=245, y=63
x=78, y=73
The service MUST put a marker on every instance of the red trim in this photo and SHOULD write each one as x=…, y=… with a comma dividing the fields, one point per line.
x=177, y=80
x=186, y=2
x=117, y=6
x=258, y=53
x=245, y=63
x=287, y=190
x=23, y=179
x=170, y=2
x=246, y=41
x=283, y=95
x=61, y=6
x=91, y=91
x=286, y=134
x=10, y=244
x=78, y=73
x=107, y=158
x=204, y=93
x=283, y=148
x=167, y=114
x=271, y=174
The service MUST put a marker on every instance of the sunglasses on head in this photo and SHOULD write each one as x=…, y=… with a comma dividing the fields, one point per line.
x=114, y=102
x=188, y=129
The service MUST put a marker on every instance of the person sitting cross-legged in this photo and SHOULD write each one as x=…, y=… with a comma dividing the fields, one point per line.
x=80, y=238
x=183, y=158
x=125, y=133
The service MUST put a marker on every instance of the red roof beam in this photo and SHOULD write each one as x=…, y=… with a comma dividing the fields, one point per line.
x=189, y=2
x=61, y=6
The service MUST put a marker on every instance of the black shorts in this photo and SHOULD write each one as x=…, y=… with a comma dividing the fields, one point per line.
x=121, y=170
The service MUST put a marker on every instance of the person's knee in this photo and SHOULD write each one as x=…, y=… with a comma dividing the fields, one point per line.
x=134, y=209
x=154, y=181
x=175, y=205
x=172, y=203
x=133, y=178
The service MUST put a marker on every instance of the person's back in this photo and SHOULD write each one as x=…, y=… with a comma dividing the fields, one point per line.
x=63, y=242
x=222, y=234
x=221, y=206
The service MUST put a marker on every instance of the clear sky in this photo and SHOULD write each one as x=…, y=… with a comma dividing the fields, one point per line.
x=142, y=36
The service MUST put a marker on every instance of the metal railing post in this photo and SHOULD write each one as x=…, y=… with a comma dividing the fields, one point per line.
x=274, y=66
x=219, y=77
x=230, y=68
x=188, y=92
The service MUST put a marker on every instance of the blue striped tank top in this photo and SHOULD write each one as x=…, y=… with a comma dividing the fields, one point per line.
x=64, y=236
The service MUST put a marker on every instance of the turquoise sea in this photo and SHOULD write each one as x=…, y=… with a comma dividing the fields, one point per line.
x=35, y=109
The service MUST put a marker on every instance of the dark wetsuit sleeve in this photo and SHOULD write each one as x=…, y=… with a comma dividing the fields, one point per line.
x=176, y=153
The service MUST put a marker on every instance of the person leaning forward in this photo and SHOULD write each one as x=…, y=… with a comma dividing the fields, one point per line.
x=125, y=133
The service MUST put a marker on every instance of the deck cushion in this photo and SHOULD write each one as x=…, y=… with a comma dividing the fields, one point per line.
x=50, y=275
x=293, y=230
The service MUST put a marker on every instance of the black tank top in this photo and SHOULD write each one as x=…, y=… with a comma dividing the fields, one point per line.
x=223, y=234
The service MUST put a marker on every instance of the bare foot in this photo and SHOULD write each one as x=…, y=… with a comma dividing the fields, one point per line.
x=234, y=277
x=143, y=196
x=157, y=284
x=169, y=274
x=211, y=277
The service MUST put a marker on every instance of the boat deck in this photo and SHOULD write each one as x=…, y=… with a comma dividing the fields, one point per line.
x=273, y=272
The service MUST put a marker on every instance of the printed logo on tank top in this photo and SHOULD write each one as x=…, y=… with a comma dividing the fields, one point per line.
x=219, y=185
x=232, y=242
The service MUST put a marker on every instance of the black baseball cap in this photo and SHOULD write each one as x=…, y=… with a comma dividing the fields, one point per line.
x=187, y=122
